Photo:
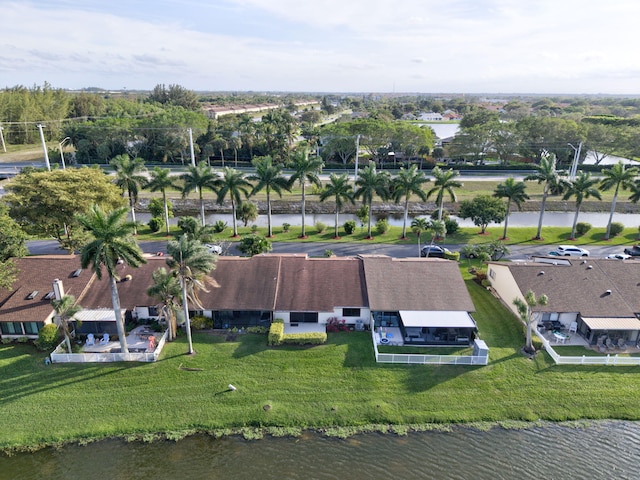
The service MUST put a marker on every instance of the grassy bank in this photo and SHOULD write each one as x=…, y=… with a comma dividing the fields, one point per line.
x=337, y=385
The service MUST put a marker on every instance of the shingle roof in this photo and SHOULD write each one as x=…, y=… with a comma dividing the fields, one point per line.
x=582, y=286
x=415, y=284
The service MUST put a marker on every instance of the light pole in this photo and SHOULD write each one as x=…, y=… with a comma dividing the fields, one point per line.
x=576, y=159
x=62, y=154
x=44, y=147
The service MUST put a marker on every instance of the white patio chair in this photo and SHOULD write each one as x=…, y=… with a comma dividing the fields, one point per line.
x=105, y=339
x=609, y=343
x=573, y=327
x=90, y=340
x=622, y=344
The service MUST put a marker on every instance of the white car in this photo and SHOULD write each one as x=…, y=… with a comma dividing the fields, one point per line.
x=217, y=249
x=619, y=256
x=570, y=250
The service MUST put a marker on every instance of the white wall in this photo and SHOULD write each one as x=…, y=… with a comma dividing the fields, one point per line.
x=505, y=286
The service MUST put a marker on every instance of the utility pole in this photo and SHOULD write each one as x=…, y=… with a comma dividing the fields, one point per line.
x=4, y=147
x=576, y=159
x=193, y=155
x=44, y=147
x=355, y=172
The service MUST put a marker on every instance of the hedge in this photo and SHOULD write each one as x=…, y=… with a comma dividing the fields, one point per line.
x=276, y=332
x=310, y=338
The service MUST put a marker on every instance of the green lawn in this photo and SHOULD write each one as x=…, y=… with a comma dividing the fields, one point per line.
x=336, y=386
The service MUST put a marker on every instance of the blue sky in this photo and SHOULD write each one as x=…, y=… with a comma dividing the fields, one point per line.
x=453, y=46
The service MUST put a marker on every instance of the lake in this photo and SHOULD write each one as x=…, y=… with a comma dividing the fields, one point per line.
x=603, y=450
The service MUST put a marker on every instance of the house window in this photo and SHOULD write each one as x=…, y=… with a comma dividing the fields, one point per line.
x=32, y=328
x=153, y=311
x=11, y=328
x=303, y=317
x=350, y=312
x=492, y=274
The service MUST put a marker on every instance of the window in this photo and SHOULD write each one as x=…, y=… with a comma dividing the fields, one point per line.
x=32, y=328
x=303, y=317
x=350, y=312
x=153, y=311
x=11, y=328
x=492, y=274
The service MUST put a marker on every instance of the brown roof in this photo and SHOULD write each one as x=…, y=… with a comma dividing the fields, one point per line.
x=415, y=284
x=38, y=273
x=582, y=286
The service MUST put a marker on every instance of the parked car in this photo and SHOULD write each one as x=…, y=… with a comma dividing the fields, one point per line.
x=570, y=250
x=619, y=256
x=213, y=248
x=633, y=251
x=435, y=251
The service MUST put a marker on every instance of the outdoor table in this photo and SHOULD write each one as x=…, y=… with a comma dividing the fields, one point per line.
x=560, y=337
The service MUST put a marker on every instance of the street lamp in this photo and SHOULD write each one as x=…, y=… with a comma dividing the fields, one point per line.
x=576, y=159
x=62, y=154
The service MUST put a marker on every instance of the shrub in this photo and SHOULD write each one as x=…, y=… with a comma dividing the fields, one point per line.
x=219, y=226
x=382, y=226
x=200, y=322
x=451, y=226
x=328, y=253
x=452, y=256
x=276, y=332
x=616, y=229
x=155, y=224
x=334, y=324
x=48, y=337
x=156, y=208
x=320, y=227
x=582, y=228
x=349, y=227
x=254, y=245
x=260, y=330
x=254, y=228
x=310, y=338
x=6, y=341
x=286, y=227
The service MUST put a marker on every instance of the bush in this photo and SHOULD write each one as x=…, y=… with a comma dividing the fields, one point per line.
x=155, y=224
x=451, y=226
x=349, y=227
x=320, y=227
x=452, y=256
x=200, y=322
x=156, y=208
x=328, y=253
x=259, y=330
x=219, y=226
x=582, y=228
x=286, y=227
x=276, y=332
x=311, y=338
x=382, y=226
x=616, y=229
x=48, y=337
x=254, y=229
x=334, y=324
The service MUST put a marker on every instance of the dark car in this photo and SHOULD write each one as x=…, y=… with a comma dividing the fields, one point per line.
x=434, y=251
x=633, y=251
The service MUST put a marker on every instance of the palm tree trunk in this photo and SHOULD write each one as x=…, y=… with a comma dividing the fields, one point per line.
x=133, y=214
x=233, y=212
x=222, y=157
x=201, y=208
x=575, y=221
x=406, y=214
x=185, y=310
x=613, y=209
x=115, y=299
x=542, y=205
x=303, y=211
x=269, y=234
x=336, y=226
x=166, y=211
x=67, y=339
x=419, y=244
x=506, y=220
x=440, y=209
x=369, y=224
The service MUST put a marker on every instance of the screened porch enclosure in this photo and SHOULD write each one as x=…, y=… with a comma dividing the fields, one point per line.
x=241, y=318
x=429, y=327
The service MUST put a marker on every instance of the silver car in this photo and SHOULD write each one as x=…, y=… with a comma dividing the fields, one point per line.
x=570, y=250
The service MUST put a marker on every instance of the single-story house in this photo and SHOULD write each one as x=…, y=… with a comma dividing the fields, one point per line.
x=600, y=296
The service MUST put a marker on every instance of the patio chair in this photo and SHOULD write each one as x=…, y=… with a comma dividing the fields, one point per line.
x=573, y=327
x=622, y=344
x=90, y=340
x=105, y=339
x=609, y=343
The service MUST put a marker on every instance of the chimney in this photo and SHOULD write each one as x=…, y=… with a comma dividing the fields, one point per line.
x=58, y=289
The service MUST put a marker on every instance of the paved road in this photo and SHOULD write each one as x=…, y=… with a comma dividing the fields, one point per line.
x=317, y=249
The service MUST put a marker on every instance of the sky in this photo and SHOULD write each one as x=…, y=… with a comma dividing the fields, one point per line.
x=427, y=46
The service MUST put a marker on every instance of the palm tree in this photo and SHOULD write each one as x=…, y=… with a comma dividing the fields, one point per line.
x=527, y=315
x=65, y=309
x=160, y=181
x=407, y=183
x=582, y=187
x=339, y=188
x=554, y=182
x=130, y=176
x=617, y=176
x=166, y=288
x=235, y=143
x=190, y=262
x=444, y=182
x=113, y=241
x=198, y=178
x=268, y=177
x=234, y=184
x=514, y=192
x=370, y=183
x=419, y=225
x=305, y=170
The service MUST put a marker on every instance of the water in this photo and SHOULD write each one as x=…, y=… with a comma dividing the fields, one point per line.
x=604, y=450
x=444, y=130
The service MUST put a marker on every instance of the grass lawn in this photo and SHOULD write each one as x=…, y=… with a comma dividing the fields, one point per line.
x=332, y=386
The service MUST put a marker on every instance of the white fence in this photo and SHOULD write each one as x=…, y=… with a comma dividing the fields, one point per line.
x=417, y=359
x=108, y=357
x=610, y=360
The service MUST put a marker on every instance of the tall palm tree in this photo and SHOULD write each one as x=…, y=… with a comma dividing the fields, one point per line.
x=130, y=177
x=268, y=177
x=65, y=309
x=198, y=178
x=190, y=262
x=339, y=188
x=419, y=225
x=370, y=183
x=407, y=183
x=554, y=182
x=514, y=192
x=166, y=288
x=234, y=184
x=113, y=241
x=305, y=170
x=582, y=187
x=159, y=182
x=618, y=176
x=235, y=143
x=444, y=182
